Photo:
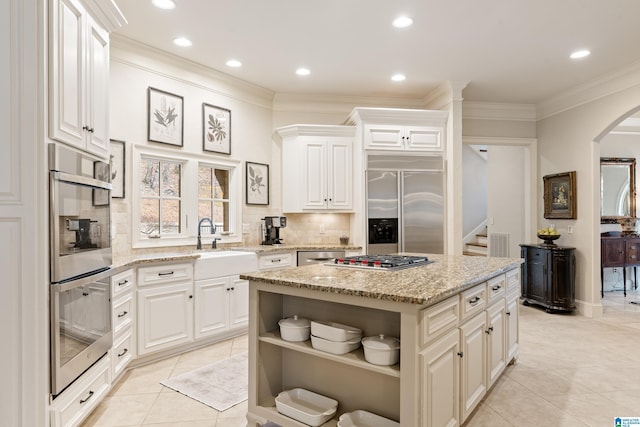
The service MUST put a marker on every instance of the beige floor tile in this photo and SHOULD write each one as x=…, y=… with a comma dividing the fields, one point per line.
x=145, y=379
x=205, y=423
x=487, y=417
x=120, y=411
x=175, y=407
x=593, y=408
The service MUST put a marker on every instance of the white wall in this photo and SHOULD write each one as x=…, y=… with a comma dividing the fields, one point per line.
x=474, y=190
x=566, y=143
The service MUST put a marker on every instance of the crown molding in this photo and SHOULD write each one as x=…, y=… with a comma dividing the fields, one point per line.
x=498, y=111
x=316, y=130
x=107, y=13
x=444, y=94
x=337, y=104
x=149, y=59
x=605, y=85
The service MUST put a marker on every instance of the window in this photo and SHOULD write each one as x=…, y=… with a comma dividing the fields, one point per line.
x=160, y=197
x=176, y=191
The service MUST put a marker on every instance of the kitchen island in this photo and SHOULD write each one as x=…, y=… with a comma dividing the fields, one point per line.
x=456, y=318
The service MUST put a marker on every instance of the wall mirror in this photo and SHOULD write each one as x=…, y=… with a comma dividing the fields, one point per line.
x=617, y=189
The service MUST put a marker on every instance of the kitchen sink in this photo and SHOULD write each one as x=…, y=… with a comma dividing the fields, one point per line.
x=224, y=263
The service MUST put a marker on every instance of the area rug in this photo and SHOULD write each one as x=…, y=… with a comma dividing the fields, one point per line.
x=219, y=385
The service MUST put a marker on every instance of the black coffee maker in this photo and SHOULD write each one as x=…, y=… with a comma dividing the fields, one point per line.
x=272, y=226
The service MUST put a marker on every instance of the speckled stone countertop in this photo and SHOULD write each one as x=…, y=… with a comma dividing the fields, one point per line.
x=428, y=284
x=288, y=248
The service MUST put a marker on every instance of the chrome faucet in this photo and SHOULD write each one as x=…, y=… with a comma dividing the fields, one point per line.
x=212, y=227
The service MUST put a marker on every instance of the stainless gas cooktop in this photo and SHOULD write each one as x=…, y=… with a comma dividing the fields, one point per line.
x=381, y=262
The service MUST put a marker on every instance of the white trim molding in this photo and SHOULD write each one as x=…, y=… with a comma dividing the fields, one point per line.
x=498, y=111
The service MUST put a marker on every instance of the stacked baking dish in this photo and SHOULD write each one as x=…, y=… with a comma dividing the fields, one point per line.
x=334, y=338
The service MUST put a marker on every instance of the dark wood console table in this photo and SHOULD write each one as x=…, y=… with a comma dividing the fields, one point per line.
x=619, y=250
x=548, y=276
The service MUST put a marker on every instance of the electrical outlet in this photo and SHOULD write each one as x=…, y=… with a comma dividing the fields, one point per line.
x=321, y=228
x=245, y=228
x=569, y=229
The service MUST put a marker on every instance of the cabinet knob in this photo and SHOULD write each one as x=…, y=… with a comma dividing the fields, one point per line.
x=460, y=353
x=124, y=351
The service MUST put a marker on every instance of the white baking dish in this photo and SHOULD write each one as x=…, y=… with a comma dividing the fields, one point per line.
x=334, y=347
x=364, y=419
x=295, y=328
x=306, y=406
x=334, y=331
x=381, y=350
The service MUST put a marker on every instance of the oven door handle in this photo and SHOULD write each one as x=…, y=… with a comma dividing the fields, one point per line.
x=80, y=180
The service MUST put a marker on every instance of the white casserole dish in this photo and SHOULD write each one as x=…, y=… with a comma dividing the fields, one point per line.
x=306, y=406
x=334, y=347
x=381, y=350
x=364, y=419
x=295, y=328
x=334, y=331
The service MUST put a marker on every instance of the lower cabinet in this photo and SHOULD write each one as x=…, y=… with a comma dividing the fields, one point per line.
x=221, y=305
x=272, y=261
x=75, y=403
x=473, y=364
x=123, y=319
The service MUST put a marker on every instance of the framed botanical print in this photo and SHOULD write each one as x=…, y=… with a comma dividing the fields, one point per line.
x=116, y=163
x=165, y=117
x=560, y=195
x=257, y=179
x=216, y=129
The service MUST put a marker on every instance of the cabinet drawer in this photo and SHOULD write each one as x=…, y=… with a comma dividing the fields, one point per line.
x=122, y=283
x=513, y=279
x=73, y=405
x=473, y=301
x=439, y=318
x=122, y=352
x=123, y=313
x=280, y=260
x=496, y=288
x=164, y=274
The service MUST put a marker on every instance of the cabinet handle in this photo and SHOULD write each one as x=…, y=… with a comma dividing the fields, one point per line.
x=488, y=331
x=86, y=294
x=474, y=300
x=124, y=351
x=83, y=401
x=233, y=289
x=124, y=313
x=167, y=273
x=496, y=288
x=508, y=313
x=124, y=282
x=276, y=260
x=460, y=354
x=190, y=296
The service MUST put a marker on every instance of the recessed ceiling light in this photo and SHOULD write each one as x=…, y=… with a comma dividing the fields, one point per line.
x=182, y=42
x=402, y=22
x=303, y=71
x=164, y=4
x=234, y=63
x=580, y=54
x=398, y=77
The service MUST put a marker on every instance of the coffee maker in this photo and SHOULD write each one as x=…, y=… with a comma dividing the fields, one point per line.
x=272, y=226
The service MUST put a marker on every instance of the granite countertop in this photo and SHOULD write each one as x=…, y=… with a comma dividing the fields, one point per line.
x=428, y=284
x=288, y=248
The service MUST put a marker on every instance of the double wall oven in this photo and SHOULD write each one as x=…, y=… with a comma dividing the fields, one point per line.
x=80, y=237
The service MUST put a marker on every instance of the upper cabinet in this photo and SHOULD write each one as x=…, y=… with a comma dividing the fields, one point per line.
x=79, y=73
x=401, y=129
x=317, y=168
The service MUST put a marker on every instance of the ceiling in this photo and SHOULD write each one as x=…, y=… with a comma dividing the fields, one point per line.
x=514, y=51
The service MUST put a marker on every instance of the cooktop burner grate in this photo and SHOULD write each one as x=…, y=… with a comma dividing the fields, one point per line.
x=382, y=262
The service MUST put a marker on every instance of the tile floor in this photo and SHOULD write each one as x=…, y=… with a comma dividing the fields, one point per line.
x=572, y=371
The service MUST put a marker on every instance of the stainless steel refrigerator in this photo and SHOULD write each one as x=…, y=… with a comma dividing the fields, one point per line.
x=405, y=204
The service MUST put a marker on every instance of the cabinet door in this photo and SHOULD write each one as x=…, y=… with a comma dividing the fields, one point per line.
x=613, y=254
x=632, y=252
x=339, y=175
x=239, y=303
x=383, y=137
x=473, y=367
x=535, y=274
x=496, y=341
x=211, y=307
x=513, y=325
x=165, y=316
x=315, y=175
x=97, y=104
x=440, y=382
x=423, y=138
x=67, y=76
x=562, y=293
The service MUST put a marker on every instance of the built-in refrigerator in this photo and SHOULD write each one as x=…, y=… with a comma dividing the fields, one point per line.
x=405, y=204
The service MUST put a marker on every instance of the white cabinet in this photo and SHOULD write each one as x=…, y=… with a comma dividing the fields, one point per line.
x=75, y=403
x=440, y=377
x=123, y=317
x=272, y=261
x=165, y=306
x=79, y=78
x=402, y=138
x=221, y=305
x=496, y=341
x=317, y=168
x=473, y=367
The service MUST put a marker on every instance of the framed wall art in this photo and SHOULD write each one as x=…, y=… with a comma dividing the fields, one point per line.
x=257, y=179
x=116, y=163
x=165, y=117
x=216, y=129
x=560, y=195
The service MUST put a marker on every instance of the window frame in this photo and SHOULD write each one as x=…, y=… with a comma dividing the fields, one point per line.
x=189, y=213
